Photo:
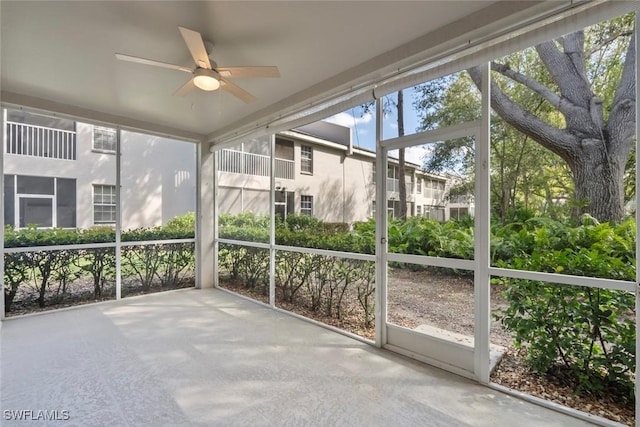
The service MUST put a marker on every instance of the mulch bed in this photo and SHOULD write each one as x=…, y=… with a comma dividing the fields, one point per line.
x=81, y=293
x=445, y=299
x=438, y=298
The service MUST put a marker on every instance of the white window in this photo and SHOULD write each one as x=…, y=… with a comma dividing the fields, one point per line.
x=104, y=139
x=419, y=190
x=306, y=159
x=39, y=201
x=306, y=205
x=104, y=204
x=373, y=208
x=418, y=209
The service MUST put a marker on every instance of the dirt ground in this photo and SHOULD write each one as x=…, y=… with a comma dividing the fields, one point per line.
x=441, y=299
x=445, y=300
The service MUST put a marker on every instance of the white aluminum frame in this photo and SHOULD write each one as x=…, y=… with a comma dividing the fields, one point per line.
x=480, y=265
x=480, y=48
x=118, y=212
x=3, y=123
x=117, y=244
x=51, y=197
x=482, y=227
x=440, y=352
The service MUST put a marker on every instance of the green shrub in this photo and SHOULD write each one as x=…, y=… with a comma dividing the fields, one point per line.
x=422, y=236
x=183, y=224
x=590, y=332
x=299, y=222
x=51, y=271
x=16, y=274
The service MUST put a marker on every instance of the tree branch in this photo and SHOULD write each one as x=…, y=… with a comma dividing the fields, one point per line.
x=558, y=141
x=504, y=69
x=573, y=46
x=606, y=41
x=624, y=101
x=568, y=71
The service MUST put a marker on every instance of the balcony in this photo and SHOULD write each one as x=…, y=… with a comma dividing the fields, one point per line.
x=39, y=141
x=253, y=164
x=393, y=186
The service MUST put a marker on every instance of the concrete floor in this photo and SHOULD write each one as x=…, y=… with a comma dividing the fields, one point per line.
x=208, y=358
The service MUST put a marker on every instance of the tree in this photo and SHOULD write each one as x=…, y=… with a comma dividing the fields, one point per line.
x=597, y=128
x=523, y=174
x=402, y=181
x=387, y=107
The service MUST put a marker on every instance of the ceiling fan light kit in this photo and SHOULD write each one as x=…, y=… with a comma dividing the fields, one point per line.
x=206, y=79
x=206, y=75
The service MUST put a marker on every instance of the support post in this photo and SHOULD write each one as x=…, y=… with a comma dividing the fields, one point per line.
x=482, y=227
x=2, y=151
x=118, y=249
x=272, y=221
x=206, y=218
x=381, y=233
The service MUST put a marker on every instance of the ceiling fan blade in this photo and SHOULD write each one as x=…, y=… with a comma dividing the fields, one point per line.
x=194, y=42
x=248, y=72
x=139, y=60
x=185, y=89
x=237, y=91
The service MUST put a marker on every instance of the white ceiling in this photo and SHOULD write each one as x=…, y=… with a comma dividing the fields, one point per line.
x=64, y=52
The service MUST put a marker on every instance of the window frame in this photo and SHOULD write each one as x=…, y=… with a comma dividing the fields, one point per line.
x=306, y=205
x=94, y=204
x=306, y=160
x=25, y=196
x=100, y=133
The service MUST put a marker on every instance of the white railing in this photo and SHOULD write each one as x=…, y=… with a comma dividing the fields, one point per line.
x=393, y=186
x=253, y=164
x=39, y=141
x=435, y=195
x=285, y=169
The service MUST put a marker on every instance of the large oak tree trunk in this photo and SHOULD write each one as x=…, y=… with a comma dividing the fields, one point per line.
x=598, y=178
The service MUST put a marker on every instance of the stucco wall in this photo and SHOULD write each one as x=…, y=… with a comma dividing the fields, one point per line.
x=341, y=185
x=158, y=176
x=158, y=179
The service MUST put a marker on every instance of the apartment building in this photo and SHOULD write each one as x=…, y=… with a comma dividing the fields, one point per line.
x=319, y=172
x=62, y=173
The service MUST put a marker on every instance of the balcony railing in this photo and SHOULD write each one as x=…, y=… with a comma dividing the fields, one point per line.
x=393, y=186
x=253, y=164
x=39, y=141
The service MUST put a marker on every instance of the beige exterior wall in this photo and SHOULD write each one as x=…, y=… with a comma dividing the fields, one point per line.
x=157, y=176
x=245, y=192
x=341, y=185
x=341, y=182
x=158, y=179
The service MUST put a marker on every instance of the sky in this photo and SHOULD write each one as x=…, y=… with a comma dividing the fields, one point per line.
x=363, y=126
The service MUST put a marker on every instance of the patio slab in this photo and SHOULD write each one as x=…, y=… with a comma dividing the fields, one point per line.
x=209, y=358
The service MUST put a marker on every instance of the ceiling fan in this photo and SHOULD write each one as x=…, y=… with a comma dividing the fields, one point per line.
x=207, y=75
